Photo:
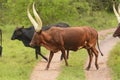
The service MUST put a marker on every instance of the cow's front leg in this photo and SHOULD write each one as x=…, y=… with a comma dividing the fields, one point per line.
x=50, y=58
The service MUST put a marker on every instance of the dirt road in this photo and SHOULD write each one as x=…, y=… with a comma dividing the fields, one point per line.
x=102, y=74
x=39, y=72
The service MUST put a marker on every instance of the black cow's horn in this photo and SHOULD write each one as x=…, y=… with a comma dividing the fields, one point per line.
x=38, y=19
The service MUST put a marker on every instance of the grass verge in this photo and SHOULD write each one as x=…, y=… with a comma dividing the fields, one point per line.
x=114, y=62
x=17, y=61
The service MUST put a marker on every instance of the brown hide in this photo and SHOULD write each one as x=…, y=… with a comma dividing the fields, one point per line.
x=61, y=39
x=79, y=37
x=117, y=31
x=69, y=38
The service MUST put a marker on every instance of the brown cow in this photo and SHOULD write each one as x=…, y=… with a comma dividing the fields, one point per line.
x=60, y=39
x=117, y=14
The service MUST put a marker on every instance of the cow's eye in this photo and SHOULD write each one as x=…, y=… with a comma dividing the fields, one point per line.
x=18, y=33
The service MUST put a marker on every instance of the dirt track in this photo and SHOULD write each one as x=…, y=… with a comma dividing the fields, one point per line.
x=39, y=72
x=102, y=74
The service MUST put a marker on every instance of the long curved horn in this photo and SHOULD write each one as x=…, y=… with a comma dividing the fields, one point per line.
x=119, y=9
x=36, y=15
x=116, y=13
x=32, y=20
x=38, y=19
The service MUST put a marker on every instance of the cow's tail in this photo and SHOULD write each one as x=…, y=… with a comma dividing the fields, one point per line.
x=99, y=47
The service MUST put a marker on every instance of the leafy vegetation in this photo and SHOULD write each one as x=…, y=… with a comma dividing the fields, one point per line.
x=114, y=60
x=74, y=12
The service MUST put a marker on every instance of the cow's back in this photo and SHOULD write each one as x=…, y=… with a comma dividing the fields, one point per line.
x=76, y=37
x=28, y=32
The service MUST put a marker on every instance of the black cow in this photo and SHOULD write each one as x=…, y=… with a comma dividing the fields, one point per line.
x=25, y=35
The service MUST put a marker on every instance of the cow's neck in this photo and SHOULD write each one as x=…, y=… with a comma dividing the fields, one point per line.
x=48, y=42
x=45, y=37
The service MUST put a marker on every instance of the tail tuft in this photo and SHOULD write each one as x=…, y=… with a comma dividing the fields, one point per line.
x=101, y=54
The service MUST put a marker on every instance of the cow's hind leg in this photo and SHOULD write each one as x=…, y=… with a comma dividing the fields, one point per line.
x=90, y=58
x=65, y=57
x=67, y=54
x=61, y=58
x=96, y=57
x=50, y=58
x=36, y=55
x=62, y=55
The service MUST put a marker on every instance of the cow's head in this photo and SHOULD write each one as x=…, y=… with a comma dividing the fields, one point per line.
x=117, y=14
x=36, y=40
x=17, y=33
x=117, y=31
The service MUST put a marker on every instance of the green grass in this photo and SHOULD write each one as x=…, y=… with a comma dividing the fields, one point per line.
x=75, y=70
x=114, y=62
x=17, y=61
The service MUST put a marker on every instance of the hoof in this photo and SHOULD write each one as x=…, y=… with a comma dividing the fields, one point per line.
x=67, y=65
x=87, y=68
x=46, y=59
x=61, y=59
x=97, y=67
x=46, y=68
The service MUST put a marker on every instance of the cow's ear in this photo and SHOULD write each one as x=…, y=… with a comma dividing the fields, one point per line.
x=39, y=32
x=22, y=27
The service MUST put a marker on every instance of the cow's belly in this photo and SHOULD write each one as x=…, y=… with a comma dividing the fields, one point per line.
x=75, y=45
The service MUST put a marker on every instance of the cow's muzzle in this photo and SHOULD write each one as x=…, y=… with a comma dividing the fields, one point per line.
x=13, y=38
x=31, y=44
x=114, y=35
